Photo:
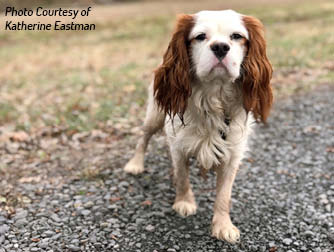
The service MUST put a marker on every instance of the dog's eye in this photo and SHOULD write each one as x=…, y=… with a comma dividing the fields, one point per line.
x=201, y=37
x=236, y=36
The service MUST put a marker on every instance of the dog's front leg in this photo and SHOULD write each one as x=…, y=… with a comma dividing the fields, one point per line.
x=222, y=227
x=184, y=203
x=154, y=121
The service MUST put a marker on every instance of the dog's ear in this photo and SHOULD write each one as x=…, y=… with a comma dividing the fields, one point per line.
x=172, y=86
x=256, y=72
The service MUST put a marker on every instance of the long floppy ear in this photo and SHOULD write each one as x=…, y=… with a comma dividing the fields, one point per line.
x=172, y=79
x=257, y=72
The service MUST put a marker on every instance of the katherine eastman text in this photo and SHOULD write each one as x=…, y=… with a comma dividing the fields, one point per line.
x=57, y=26
x=41, y=11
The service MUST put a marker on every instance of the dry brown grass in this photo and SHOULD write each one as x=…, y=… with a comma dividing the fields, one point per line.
x=98, y=79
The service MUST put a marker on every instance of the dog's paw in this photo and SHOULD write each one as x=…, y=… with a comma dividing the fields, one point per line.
x=134, y=166
x=185, y=208
x=225, y=230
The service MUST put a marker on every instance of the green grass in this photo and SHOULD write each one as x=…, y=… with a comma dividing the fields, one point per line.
x=7, y=113
x=299, y=36
x=85, y=80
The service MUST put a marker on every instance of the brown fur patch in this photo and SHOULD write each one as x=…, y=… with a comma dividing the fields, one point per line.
x=257, y=92
x=172, y=79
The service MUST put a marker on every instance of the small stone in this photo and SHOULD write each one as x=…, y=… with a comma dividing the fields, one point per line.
x=171, y=250
x=44, y=243
x=2, y=219
x=2, y=239
x=89, y=204
x=49, y=233
x=328, y=208
x=123, y=184
x=296, y=243
x=271, y=244
x=73, y=248
x=104, y=224
x=85, y=212
x=21, y=214
x=55, y=218
x=56, y=237
x=330, y=237
x=149, y=228
x=139, y=221
x=75, y=241
x=21, y=222
x=309, y=233
x=98, y=245
x=287, y=241
x=4, y=229
x=112, y=243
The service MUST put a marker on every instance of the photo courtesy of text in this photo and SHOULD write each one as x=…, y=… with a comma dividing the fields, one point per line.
x=44, y=12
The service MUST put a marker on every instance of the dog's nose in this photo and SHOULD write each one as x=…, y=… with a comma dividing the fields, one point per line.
x=220, y=49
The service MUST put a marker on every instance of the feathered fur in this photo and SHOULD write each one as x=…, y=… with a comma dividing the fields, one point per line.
x=172, y=79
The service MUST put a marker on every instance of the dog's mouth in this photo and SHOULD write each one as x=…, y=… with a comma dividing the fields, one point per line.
x=224, y=69
x=220, y=69
x=219, y=66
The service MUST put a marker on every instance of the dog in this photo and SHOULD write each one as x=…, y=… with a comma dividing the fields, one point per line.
x=213, y=84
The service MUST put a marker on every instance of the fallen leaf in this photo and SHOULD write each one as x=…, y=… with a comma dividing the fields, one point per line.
x=35, y=239
x=113, y=237
x=19, y=136
x=146, y=203
x=3, y=199
x=80, y=136
x=26, y=200
x=330, y=149
x=312, y=129
x=273, y=249
x=114, y=199
x=98, y=134
x=30, y=179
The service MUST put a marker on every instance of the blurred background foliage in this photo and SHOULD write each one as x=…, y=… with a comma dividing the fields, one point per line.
x=98, y=79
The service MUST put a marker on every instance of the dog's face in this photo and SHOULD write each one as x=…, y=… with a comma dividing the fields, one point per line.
x=211, y=45
x=218, y=44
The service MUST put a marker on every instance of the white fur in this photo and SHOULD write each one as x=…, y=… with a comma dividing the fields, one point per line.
x=204, y=118
x=218, y=27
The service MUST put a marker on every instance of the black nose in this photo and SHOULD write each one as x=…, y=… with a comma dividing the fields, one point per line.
x=220, y=49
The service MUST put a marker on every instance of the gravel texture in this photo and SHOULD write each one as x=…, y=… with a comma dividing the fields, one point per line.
x=283, y=197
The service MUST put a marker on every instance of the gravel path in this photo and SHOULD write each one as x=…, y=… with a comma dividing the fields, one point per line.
x=283, y=197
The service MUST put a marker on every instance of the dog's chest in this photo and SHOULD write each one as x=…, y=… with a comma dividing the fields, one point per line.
x=208, y=119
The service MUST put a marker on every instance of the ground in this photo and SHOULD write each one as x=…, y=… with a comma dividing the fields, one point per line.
x=282, y=199
x=70, y=109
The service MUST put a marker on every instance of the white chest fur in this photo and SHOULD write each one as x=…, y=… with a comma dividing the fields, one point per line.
x=208, y=107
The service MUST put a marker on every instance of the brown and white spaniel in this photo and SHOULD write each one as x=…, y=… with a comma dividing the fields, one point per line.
x=213, y=83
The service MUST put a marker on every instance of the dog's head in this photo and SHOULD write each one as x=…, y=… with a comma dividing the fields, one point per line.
x=213, y=45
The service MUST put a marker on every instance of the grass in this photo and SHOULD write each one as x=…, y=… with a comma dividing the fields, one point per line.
x=94, y=79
